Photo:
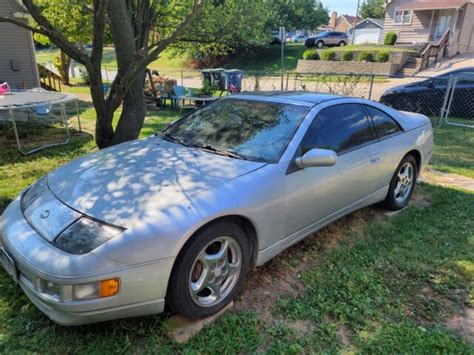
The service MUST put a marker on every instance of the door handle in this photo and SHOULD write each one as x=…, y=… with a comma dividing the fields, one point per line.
x=374, y=159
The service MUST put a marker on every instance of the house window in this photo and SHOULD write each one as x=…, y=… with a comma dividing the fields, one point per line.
x=402, y=16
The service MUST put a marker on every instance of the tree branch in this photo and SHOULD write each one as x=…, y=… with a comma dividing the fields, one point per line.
x=141, y=59
x=154, y=52
x=22, y=24
x=100, y=7
x=56, y=36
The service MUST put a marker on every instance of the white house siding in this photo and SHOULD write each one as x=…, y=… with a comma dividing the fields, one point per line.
x=16, y=44
x=418, y=31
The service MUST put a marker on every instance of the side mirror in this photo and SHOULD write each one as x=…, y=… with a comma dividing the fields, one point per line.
x=316, y=157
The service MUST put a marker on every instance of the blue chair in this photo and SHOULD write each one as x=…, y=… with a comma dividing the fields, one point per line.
x=177, y=91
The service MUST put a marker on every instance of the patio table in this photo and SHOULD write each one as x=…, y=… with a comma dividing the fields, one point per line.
x=205, y=99
x=36, y=99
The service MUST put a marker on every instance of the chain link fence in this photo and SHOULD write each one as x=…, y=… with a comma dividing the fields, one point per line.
x=448, y=98
x=458, y=109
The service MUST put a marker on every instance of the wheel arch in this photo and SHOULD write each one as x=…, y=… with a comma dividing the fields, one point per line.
x=245, y=223
x=417, y=155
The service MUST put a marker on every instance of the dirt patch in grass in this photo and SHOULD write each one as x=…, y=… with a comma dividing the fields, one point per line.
x=301, y=327
x=343, y=335
x=448, y=179
x=463, y=324
x=32, y=139
x=420, y=200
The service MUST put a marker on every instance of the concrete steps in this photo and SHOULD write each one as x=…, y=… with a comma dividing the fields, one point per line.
x=411, y=67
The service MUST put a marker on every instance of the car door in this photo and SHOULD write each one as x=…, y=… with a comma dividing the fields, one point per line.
x=390, y=145
x=331, y=38
x=316, y=194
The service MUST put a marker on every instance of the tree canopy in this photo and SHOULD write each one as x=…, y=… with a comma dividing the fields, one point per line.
x=238, y=27
x=140, y=30
x=373, y=9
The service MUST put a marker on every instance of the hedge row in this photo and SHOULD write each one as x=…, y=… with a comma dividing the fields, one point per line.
x=330, y=55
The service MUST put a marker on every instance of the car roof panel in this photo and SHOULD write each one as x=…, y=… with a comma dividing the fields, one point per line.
x=312, y=98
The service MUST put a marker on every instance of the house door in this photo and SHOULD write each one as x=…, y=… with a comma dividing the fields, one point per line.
x=444, y=20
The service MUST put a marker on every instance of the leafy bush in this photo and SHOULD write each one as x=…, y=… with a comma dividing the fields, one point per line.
x=310, y=55
x=382, y=57
x=366, y=57
x=390, y=39
x=84, y=75
x=347, y=56
x=328, y=55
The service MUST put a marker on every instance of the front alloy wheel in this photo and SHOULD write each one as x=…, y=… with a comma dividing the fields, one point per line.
x=209, y=270
x=215, y=271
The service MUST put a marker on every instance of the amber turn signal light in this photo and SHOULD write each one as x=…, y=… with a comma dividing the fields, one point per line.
x=109, y=287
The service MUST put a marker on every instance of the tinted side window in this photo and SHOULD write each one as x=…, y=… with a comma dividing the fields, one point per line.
x=338, y=128
x=384, y=124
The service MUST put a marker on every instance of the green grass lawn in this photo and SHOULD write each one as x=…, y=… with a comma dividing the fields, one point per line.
x=268, y=60
x=454, y=150
x=168, y=61
x=387, y=289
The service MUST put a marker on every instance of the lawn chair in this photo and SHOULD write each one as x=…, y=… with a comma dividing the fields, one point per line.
x=176, y=92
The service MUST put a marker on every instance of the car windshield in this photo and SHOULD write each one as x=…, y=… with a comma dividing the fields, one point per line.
x=243, y=129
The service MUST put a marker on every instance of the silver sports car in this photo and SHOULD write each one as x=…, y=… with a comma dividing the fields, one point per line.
x=179, y=218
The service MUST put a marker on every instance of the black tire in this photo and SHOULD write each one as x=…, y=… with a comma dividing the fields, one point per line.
x=178, y=297
x=391, y=201
x=342, y=44
x=320, y=44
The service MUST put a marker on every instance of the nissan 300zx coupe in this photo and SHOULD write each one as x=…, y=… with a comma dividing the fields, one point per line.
x=179, y=218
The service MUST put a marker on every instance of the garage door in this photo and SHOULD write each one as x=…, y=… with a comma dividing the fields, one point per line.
x=367, y=36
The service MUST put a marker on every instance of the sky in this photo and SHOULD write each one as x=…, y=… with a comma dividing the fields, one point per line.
x=343, y=7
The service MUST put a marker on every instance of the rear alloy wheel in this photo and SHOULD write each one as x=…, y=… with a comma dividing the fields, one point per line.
x=320, y=44
x=402, y=184
x=209, y=271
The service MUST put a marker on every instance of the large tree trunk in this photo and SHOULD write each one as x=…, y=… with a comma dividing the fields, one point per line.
x=104, y=131
x=133, y=108
x=64, y=68
x=133, y=112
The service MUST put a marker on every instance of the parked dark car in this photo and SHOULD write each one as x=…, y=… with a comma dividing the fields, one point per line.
x=327, y=39
x=427, y=96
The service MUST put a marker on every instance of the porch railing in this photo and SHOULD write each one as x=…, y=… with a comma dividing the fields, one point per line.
x=48, y=79
x=434, y=49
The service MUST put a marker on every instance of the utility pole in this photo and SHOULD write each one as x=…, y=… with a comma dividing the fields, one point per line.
x=282, y=39
x=355, y=23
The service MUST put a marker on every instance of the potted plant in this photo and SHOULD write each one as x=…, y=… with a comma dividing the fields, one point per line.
x=207, y=90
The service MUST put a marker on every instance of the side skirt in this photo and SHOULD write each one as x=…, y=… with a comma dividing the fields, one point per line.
x=275, y=249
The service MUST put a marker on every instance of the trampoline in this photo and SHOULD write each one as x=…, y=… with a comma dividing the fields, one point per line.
x=37, y=104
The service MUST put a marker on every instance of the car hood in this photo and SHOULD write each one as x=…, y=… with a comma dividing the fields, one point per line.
x=122, y=184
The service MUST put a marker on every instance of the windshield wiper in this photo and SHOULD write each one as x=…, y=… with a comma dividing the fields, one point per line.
x=207, y=147
x=174, y=139
x=221, y=151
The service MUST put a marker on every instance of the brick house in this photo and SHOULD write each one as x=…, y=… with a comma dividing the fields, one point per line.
x=425, y=21
x=340, y=23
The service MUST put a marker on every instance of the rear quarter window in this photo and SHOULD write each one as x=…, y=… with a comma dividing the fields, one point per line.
x=384, y=124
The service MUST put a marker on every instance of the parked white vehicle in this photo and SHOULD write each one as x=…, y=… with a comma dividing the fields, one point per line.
x=179, y=218
x=298, y=38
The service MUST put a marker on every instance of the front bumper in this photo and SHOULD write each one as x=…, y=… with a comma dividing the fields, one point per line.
x=36, y=261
